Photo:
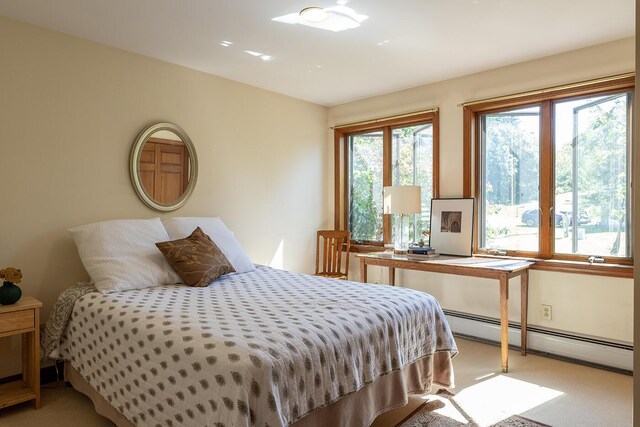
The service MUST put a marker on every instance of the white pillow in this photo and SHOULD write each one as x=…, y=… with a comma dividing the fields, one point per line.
x=121, y=255
x=181, y=227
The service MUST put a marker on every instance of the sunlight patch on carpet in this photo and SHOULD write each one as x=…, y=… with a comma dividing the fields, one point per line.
x=500, y=397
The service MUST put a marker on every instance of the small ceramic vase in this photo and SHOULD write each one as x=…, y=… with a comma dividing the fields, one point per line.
x=9, y=293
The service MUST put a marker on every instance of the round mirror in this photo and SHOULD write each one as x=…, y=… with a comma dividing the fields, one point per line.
x=164, y=166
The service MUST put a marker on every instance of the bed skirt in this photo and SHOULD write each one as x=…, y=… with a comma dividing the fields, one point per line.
x=357, y=409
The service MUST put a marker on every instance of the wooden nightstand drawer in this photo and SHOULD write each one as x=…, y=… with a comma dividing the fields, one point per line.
x=16, y=320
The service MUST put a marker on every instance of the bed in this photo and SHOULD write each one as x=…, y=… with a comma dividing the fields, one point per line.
x=264, y=347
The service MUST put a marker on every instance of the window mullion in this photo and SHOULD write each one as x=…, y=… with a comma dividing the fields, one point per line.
x=386, y=179
x=346, y=155
x=547, y=223
x=339, y=158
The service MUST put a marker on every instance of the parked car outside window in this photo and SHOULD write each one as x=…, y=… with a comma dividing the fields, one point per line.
x=530, y=217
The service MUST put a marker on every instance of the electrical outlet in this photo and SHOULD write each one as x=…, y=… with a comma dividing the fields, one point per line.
x=546, y=311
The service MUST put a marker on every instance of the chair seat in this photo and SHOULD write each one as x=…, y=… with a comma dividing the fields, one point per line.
x=340, y=276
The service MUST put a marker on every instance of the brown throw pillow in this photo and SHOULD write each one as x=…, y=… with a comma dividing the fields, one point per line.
x=196, y=259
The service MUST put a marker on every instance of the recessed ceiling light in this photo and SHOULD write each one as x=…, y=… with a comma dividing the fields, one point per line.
x=313, y=14
x=225, y=43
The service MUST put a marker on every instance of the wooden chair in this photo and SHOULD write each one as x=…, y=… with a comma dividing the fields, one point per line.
x=333, y=242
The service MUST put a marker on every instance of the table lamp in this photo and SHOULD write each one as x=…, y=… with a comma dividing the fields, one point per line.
x=402, y=200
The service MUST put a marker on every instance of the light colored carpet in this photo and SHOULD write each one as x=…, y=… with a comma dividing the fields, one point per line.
x=61, y=407
x=549, y=391
x=442, y=410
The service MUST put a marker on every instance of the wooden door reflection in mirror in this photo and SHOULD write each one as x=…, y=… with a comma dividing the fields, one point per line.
x=163, y=166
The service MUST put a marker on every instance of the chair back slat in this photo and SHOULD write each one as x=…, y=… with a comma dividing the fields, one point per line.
x=334, y=244
x=327, y=254
x=332, y=254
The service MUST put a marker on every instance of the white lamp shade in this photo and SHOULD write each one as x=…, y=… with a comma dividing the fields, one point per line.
x=403, y=199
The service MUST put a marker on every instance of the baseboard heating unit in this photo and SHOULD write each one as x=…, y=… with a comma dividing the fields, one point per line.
x=592, y=351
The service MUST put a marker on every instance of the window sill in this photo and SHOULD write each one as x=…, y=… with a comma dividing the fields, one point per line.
x=363, y=248
x=554, y=265
x=575, y=267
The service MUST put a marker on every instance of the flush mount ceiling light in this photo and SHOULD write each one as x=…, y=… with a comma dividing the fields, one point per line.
x=313, y=14
x=336, y=18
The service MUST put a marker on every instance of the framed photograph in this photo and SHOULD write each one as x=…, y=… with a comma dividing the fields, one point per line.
x=452, y=226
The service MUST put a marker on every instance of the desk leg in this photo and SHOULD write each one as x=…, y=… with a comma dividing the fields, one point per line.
x=504, y=321
x=363, y=270
x=524, y=300
x=392, y=276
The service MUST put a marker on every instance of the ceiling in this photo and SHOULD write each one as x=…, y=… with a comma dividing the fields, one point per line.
x=402, y=44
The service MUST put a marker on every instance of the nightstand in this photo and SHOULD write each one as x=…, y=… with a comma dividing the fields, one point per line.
x=23, y=318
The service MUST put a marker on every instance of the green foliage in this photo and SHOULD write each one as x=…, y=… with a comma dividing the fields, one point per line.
x=366, y=224
x=601, y=161
x=365, y=213
x=511, y=166
x=598, y=151
x=412, y=164
x=495, y=232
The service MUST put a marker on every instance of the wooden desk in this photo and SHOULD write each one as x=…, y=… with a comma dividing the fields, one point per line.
x=23, y=318
x=489, y=268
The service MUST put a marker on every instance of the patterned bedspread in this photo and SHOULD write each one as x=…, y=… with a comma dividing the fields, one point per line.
x=260, y=348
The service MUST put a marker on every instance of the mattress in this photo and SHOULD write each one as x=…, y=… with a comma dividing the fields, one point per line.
x=267, y=347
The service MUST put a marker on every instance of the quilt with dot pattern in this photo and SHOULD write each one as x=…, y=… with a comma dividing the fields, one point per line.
x=260, y=348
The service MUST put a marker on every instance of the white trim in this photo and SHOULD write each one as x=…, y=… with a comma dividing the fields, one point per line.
x=561, y=346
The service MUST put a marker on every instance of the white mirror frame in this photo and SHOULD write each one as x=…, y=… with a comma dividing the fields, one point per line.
x=141, y=139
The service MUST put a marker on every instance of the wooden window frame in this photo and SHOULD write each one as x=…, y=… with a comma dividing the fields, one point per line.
x=341, y=173
x=545, y=259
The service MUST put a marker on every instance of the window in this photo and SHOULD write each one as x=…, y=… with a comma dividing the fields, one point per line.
x=370, y=156
x=365, y=186
x=510, y=173
x=553, y=172
x=592, y=175
x=412, y=164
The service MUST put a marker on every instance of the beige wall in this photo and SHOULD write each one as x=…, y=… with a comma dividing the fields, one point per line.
x=69, y=113
x=591, y=305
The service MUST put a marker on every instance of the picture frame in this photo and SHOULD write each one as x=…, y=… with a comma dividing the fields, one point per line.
x=452, y=226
